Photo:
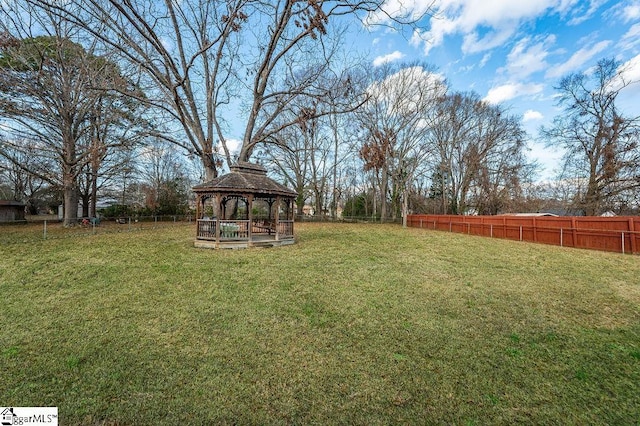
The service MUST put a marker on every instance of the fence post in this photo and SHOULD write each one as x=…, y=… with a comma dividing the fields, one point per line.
x=449, y=226
x=420, y=223
x=491, y=231
x=44, y=232
x=623, y=242
x=632, y=237
x=560, y=237
x=520, y=232
x=504, y=227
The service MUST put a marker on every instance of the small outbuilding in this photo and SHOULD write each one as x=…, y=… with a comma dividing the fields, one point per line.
x=244, y=208
x=12, y=211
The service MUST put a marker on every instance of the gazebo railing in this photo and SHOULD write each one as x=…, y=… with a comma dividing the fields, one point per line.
x=239, y=229
x=206, y=229
x=229, y=229
x=285, y=228
x=263, y=227
x=234, y=229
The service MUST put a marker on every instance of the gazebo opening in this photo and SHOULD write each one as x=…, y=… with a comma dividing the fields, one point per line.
x=244, y=208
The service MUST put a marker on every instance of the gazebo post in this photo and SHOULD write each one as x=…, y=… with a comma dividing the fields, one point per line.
x=218, y=200
x=277, y=217
x=270, y=217
x=250, y=215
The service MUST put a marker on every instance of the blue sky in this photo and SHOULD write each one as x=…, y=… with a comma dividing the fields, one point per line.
x=515, y=52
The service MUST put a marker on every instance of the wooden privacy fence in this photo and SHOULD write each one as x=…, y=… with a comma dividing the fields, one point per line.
x=618, y=234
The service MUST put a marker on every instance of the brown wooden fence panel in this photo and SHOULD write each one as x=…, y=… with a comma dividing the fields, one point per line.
x=617, y=234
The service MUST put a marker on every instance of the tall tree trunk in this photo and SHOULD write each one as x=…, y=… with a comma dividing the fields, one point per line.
x=70, y=189
x=69, y=177
x=210, y=169
x=319, y=202
x=384, y=189
x=85, y=205
x=334, y=192
x=300, y=202
x=94, y=195
x=592, y=197
x=405, y=207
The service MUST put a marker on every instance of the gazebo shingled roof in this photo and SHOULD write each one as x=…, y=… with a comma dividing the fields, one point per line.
x=246, y=177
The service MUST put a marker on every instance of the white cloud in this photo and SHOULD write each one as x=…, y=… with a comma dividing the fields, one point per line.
x=473, y=43
x=549, y=159
x=391, y=57
x=583, y=11
x=512, y=90
x=233, y=145
x=408, y=89
x=632, y=12
x=482, y=25
x=168, y=43
x=631, y=38
x=531, y=115
x=528, y=56
x=578, y=59
x=628, y=78
x=629, y=11
x=630, y=70
x=484, y=60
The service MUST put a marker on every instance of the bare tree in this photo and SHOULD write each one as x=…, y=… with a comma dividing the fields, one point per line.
x=480, y=154
x=497, y=160
x=307, y=154
x=602, y=154
x=50, y=87
x=451, y=132
x=395, y=124
x=290, y=159
x=161, y=176
x=186, y=52
x=202, y=57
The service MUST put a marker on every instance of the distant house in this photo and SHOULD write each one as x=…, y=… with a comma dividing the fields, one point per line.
x=11, y=211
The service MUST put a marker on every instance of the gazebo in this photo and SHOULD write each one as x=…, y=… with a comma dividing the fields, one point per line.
x=244, y=208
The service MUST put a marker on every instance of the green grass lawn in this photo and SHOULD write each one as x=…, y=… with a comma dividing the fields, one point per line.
x=355, y=324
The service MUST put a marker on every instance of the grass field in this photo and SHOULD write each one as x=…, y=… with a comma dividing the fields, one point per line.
x=355, y=324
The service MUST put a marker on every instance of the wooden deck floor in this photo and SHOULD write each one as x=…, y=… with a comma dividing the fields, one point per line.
x=256, y=241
